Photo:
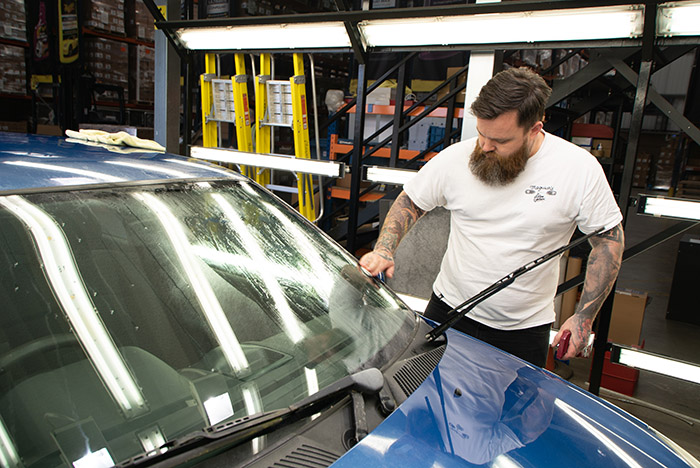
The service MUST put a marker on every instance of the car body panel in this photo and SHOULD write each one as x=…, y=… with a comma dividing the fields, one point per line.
x=32, y=162
x=482, y=406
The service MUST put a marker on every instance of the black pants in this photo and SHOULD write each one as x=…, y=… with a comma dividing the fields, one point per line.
x=530, y=344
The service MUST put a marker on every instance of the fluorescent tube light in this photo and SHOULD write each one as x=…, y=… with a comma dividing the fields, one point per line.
x=270, y=161
x=678, y=19
x=290, y=323
x=150, y=168
x=669, y=207
x=416, y=303
x=9, y=458
x=388, y=175
x=655, y=363
x=591, y=427
x=214, y=313
x=70, y=291
x=98, y=459
x=322, y=35
x=98, y=176
x=613, y=22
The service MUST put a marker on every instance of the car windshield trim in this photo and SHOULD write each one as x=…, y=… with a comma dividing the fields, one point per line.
x=117, y=185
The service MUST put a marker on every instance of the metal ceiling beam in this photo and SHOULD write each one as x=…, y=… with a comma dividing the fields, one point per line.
x=170, y=36
x=598, y=66
x=356, y=16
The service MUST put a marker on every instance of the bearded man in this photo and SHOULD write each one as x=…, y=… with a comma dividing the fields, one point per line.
x=514, y=193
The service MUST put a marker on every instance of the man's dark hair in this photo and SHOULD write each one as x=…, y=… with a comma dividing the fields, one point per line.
x=518, y=89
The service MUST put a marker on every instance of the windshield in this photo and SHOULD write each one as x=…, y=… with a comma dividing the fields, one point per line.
x=133, y=316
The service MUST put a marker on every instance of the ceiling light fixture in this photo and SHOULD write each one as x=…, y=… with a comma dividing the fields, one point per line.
x=678, y=19
x=664, y=207
x=388, y=175
x=270, y=161
x=325, y=35
x=611, y=22
x=655, y=363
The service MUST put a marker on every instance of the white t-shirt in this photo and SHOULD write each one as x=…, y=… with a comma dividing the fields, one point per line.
x=497, y=229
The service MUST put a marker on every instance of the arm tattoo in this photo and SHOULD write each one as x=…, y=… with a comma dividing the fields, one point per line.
x=401, y=217
x=601, y=271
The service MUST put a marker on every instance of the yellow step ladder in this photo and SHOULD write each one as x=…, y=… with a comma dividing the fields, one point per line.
x=278, y=103
x=282, y=103
x=226, y=101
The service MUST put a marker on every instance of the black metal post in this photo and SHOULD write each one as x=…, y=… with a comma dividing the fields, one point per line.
x=616, y=139
x=398, y=115
x=600, y=345
x=356, y=162
x=605, y=314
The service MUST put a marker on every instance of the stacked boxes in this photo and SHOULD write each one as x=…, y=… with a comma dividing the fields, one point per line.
x=141, y=23
x=13, y=77
x=12, y=20
x=145, y=74
x=109, y=62
x=655, y=159
x=664, y=163
x=641, y=170
x=104, y=15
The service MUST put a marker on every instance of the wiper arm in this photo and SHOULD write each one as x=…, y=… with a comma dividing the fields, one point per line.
x=463, y=309
x=224, y=436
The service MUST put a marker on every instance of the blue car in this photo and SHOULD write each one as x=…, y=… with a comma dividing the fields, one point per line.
x=157, y=310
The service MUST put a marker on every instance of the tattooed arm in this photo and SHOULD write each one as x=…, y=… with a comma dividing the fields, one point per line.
x=601, y=272
x=401, y=217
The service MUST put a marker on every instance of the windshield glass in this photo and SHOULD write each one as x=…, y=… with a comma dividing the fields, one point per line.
x=133, y=316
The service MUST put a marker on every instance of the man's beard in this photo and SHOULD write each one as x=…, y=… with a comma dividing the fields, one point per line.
x=495, y=169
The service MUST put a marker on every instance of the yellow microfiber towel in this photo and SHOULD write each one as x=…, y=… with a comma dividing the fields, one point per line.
x=119, y=138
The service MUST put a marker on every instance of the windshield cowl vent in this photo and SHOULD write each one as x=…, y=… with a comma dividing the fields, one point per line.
x=415, y=370
x=307, y=456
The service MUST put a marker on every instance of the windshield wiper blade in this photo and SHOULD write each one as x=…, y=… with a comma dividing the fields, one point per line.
x=227, y=435
x=463, y=309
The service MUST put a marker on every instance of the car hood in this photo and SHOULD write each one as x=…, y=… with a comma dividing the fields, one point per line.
x=36, y=162
x=481, y=406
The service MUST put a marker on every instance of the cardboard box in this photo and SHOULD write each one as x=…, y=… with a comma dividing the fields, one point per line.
x=459, y=97
x=627, y=317
x=13, y=20
x=601, y=147
x=569, y=298
x=13, y=77
x=17, y=127
x=145, y=74
x=104, y=15
x=53, y=130
x=140, y=23
x=108, y=62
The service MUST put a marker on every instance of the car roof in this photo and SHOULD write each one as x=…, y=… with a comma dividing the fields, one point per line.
x=34, y=162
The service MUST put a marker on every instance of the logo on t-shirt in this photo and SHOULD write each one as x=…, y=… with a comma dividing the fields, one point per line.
x=539, y=192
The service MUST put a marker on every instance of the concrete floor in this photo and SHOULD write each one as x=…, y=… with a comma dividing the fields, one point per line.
x=669, y=405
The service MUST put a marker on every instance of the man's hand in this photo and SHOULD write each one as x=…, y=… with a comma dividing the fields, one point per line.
x=601, y=271
x=376, y=262
x=580, y=331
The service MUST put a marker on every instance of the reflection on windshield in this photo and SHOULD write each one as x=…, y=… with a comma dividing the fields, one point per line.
x=68, y=287
x=134, y=316
x=205, y=294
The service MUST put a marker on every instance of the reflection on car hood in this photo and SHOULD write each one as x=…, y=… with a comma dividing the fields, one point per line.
x=483, y=407
x=31, y=161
